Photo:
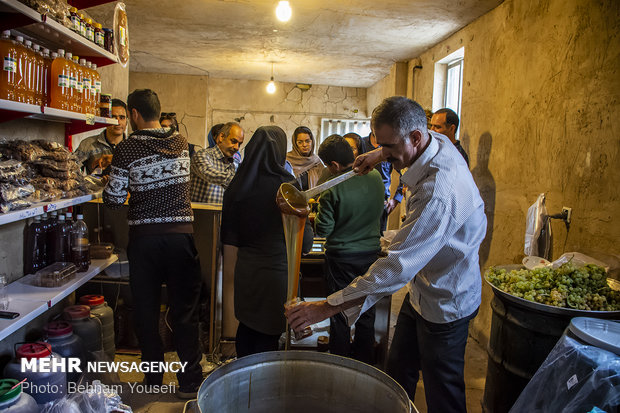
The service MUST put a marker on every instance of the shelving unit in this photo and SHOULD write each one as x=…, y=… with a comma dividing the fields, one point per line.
x=43, y=207
x=30, y=301
x=53, y=35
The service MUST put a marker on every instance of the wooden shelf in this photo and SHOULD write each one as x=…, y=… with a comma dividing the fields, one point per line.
x=30, y=301
x=50, y=33
x=42, y=207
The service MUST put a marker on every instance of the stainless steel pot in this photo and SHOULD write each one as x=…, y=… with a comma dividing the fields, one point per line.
x=301, y=381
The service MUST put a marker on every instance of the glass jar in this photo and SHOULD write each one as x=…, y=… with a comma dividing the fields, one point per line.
x=75, y=20
x=108, y=40
x=82, y=25
x=90, y=30
x=99, y=35
x=105, y=105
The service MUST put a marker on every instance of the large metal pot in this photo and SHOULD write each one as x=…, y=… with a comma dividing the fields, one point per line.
x=300, y=381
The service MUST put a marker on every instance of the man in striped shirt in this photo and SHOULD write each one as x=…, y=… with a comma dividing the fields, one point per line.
x=213, y=168
x=435, y=254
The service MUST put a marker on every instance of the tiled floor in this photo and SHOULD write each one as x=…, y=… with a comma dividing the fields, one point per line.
x=475, y=372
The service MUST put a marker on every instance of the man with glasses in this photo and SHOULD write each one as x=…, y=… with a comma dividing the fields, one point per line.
x=214, y=168
x=96, y=151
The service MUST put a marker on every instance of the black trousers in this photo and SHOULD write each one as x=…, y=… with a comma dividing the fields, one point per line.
x=340, y=270
x=173, y=259
x=438, y=350
x=249, y=341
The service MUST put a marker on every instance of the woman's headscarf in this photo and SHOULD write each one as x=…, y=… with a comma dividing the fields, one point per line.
x=301, y=163
x=250, y=214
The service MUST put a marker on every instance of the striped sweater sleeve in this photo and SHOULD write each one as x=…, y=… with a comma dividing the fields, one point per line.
x=115, y=192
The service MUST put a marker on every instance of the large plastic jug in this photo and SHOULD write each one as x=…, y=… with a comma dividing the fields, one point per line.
x=8, y=79
x=14, y=400
x=99, y=308
x=60, y=86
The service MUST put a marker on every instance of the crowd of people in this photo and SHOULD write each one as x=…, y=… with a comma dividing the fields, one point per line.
x=434, y=253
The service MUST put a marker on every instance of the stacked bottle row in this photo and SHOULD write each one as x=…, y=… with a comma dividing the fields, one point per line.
x=90, y=29
x=58, y=80
x=56, y=238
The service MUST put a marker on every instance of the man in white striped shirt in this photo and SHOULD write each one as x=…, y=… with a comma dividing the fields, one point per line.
x=435, y=254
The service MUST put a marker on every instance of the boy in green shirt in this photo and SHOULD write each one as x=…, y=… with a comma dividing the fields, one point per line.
x=349, y=217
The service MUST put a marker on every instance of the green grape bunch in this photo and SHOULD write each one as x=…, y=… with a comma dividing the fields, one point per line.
x=580, y=288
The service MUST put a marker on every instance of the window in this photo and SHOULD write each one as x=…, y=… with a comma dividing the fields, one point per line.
x=454, y=86
x=343, y=126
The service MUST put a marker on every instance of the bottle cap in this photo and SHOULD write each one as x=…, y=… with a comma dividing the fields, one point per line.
x=54, y=213
x=58, y=328
x=89, y=21
x=34, y=350
x=61, y=217
x=61, y=52
x=92, y=300
x=20, y=39
x=98, y=25
x=6, y=33
x=69, y=215
x=37, y=218
x=80, y=216
x=54, y=55
x=36, y=47
x=94, y=66
x=69, y=55
x=46, y=50
x=76, y=312
x=83, y=62
x=73, y=10
x=76, y=59
x=9, y=389
x=28, y=43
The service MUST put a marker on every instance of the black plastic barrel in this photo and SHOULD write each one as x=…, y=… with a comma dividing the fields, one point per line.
x=521, y=338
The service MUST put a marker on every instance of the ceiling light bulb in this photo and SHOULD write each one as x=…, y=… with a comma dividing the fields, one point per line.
x=284, y=11
x=271, y=87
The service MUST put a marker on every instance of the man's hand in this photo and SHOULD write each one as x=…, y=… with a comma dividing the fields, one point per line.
x=307, y=313
x=105, y=161
x=390, y=205
x=366, y=161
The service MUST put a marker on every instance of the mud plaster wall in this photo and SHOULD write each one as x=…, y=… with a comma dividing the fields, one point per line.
x=540, y=114
x=247, y=102
x=186, y=95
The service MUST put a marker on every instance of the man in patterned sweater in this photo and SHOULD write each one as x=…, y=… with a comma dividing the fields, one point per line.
x=153, y=166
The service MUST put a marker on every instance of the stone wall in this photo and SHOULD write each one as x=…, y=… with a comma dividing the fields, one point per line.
x=539, y=114
x=247, y=102
x=185, y=95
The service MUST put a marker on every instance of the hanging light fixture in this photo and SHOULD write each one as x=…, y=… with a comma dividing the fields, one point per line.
x=284, y=11
x=271, y=86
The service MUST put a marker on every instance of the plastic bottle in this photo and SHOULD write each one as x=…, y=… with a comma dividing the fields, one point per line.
x=31, y=63
x=72, y=82
x=91, y=92
x=8, y=77
x=75, y=83
x=45, y=224
x=38, y=77
x=46, y=72
x=80, y=247
x=60, y=90
x=62, y=241
x=97, y=82
x=21, y=78
x=14, y=400
x=36, y=248
x=86, y=81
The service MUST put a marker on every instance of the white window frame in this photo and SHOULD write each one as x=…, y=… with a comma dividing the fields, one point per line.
x=330, y=126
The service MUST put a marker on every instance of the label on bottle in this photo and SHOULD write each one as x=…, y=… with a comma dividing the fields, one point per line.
x=90, y=34
x=122, y=35
x=75, y=24
x=98, y=86
x=63, y=81
x=99, y=39
x=86, y=83
x=10, y=64
x=72, y=82
x=82, y=29
x=80, y=87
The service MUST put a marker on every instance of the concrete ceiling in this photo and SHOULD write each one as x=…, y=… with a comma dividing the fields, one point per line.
x=342, y=43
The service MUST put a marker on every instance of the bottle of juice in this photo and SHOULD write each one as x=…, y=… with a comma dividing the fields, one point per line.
x=21, y=80
x=97, y=83
x=79, y=86
x=38, y=78
x=62, y=241
x=60, y=86
x=86, y=80
x=8, y=77
x=80, y=248
x=30, y=73
x=47, y=70
x=35, y=247
x=72, y=82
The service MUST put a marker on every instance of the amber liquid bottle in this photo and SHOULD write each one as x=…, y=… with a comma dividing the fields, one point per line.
x=8, y=77
x=60, y=83
x=79, y=86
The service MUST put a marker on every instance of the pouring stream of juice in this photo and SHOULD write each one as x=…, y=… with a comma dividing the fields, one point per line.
x=294, y=207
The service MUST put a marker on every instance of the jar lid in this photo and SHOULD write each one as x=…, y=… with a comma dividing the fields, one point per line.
x=98, y=25
x=73, y=10
x=76, y=312
x=6, y=389
x=58, y=328
x=34, y=350
x=600, y=333
x=92, y=300
x=89, y=21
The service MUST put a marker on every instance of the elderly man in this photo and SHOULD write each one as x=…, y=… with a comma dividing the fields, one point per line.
x=446, y=122
x=435, y=254
x=213, y=168
x=96, y=151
